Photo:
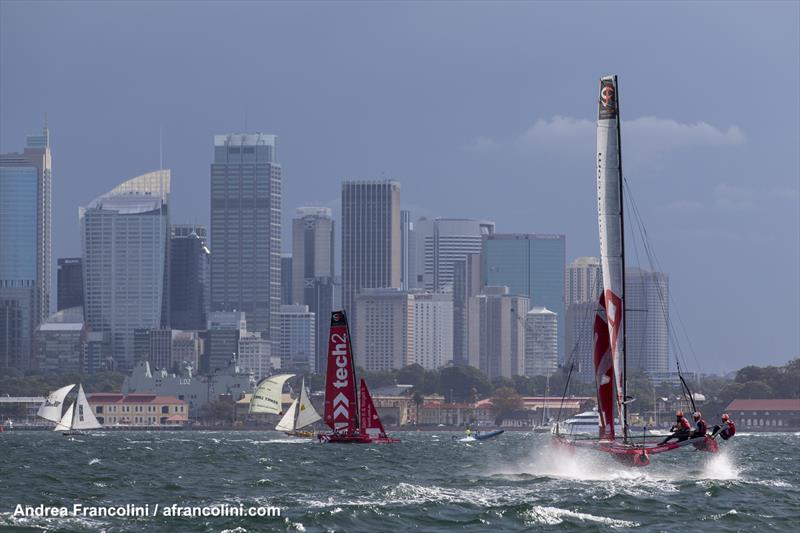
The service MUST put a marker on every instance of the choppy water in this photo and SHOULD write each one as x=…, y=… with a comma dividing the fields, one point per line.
x=428, y=483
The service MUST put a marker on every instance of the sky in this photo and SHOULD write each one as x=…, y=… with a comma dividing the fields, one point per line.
x=479, y=110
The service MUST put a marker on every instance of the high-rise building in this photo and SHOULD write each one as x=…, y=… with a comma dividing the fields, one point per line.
x=124, y=237
x=433, y=329
x=254, y=354
x=246, y=229
x=297, y=348
x=60, y=342
x=312, y=249
x=647, y=315
x=580, y=339
x=497, y=332
x=466, y=284
x=584, y=281
x=286, y=279
x=224, y=330
x=531, y=265
x=190, y=265
x=384, y=335
x=320, y=300
x=541, y=342
x=25, y=241
x=70, y=283
x=187, y=346
x=370, y=238
x=443, y=241
x=408, y=252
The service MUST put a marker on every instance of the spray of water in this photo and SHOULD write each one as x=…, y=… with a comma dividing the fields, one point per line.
x=720, y=466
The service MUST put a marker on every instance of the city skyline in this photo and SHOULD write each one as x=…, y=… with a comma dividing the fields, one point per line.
x=702, y=208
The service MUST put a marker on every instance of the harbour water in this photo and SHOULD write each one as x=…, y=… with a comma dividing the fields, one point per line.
x=428, y=482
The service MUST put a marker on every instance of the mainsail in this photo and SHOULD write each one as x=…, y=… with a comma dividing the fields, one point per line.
x=341, y=403
x=267, y=396
x=65, y=424
x=370, y=421
x=51, y=408
x=83, y=417
x=610, y=222
x=306, y=414
x=603, y=372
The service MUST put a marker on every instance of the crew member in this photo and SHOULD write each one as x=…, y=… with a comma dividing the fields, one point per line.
x=726, y=430
x=681, y=429
x=469, y=432
x=700, y=426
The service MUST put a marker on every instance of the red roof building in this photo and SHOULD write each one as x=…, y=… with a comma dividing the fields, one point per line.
x=765, y=415
x=144, y=410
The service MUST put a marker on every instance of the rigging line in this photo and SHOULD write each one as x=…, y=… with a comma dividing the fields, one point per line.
x=653, y=259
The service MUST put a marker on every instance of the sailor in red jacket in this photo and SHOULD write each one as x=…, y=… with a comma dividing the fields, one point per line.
x=681, y=430
x=700, y=427
x=726, y=430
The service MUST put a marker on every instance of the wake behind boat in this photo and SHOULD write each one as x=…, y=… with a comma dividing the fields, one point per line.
x=610, y=354
x=348, y=422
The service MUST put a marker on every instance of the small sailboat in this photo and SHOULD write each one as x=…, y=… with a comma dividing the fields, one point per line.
x=52, y=407
x=348, y=423
x=610, y=332
x=301, y=414
x=78, y=418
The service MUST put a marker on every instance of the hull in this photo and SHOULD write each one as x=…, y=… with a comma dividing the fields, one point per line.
x=632, y=454
x=301, y=434
x=489, y=435
x=336, y=438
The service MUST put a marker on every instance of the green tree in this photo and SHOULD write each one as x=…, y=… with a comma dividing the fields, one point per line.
x=465, y=382
x=418, y=400
x=505, y=401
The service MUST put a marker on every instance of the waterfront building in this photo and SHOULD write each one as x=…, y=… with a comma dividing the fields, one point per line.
x=541, y=342
x=25, y=248
x=297, y=347
x=138, y=410
x=497, y=332
x=466, y=284
x=246, y=229
x=124, y=237
x=312, y=250
x=433, y=330
x=60, y=342
x=532, y=265
x=370, y=239
x=443, y=241
x=70, y=283
x=190, y=270
x=765, y=415
x=384, y=335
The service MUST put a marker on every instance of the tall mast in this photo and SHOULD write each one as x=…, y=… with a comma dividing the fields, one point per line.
x=624, y=307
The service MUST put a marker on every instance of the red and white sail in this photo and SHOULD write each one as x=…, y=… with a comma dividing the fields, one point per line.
x=604, y=372
x=370, y=421
x=341, y=403
x=609, y=214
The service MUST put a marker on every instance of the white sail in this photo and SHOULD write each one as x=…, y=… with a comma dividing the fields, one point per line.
x=84, y=418
x=65, y=424
x=287, y=422
x=306, y=415
x=610, y=223
x=267, y=396
x=51, y=408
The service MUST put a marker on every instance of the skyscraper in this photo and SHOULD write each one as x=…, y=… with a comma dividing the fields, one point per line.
x=384, y=335
x=189, y=278
x=286, y=278
x=297, y=350
x=647, y=315
x=124, y=237
x=584, y=281
x=583, y=286
x=433, y=329
x=312, y=249
x=497, y=332
x=466, y=284
x=541, y=342
x=370, y=238
x=70, y=283
x=320, y=300
x=441, y=242
x=25, y=240
x=246, y=229
x=532, y=265
x=408, y=252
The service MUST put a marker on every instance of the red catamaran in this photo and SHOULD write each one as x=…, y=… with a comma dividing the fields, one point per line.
x=609, y=323
x=348, y=423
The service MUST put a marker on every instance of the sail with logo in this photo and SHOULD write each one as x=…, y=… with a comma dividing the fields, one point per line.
x=301, y=414
x=76, y=419
x=267, y=397
x=342, y=415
